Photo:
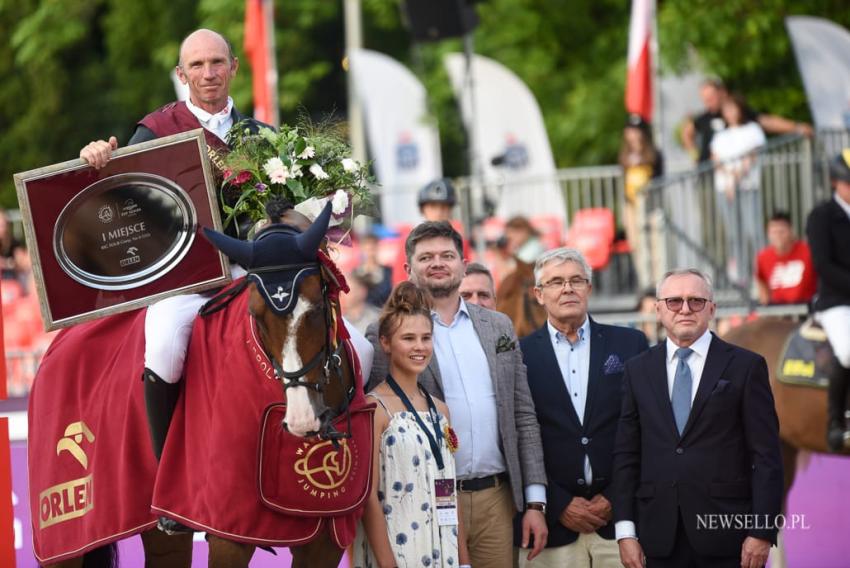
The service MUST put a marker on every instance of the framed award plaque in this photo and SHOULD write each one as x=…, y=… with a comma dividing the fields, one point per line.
x=122, y=237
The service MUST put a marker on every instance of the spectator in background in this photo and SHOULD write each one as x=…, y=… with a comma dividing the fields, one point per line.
x=737, y=181
x=641, y=162
x=698, y=132
x=9, y=246
x=646, y=309
x=436, y=201
x=523, y=240
x=784, y=270
x=477, y=287
x=376, y=276
x=355, y=305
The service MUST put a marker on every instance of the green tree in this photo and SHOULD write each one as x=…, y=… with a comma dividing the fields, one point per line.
x=76, y=70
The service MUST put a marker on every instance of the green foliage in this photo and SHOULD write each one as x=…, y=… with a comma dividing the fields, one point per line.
x=77, y=70
x=294, y=163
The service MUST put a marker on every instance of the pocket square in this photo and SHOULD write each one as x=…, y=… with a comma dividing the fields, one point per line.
x=613, y=365
x=721, y=386
x=505, y=344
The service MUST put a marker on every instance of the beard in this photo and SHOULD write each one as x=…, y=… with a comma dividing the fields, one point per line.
x=443, y=289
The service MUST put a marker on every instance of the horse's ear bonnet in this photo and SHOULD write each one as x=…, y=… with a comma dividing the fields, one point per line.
x=278, y=258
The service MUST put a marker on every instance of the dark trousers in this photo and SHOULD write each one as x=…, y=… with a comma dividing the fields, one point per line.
x=684, y=556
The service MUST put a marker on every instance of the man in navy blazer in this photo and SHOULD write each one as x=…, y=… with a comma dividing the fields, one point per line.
x=697, y=464
x=575, y=370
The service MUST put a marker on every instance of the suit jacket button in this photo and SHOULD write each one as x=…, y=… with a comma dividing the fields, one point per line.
x=584, y=441
x=580, y=481
x=673, y=484
x=680, y=451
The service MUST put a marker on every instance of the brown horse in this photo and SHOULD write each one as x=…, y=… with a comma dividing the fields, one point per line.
x=318, y=380
x=515, y=299
x=801, y=410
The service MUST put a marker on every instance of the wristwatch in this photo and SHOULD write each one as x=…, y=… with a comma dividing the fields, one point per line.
x=536, y=506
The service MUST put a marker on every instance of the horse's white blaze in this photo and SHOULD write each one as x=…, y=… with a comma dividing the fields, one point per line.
x=300, y=417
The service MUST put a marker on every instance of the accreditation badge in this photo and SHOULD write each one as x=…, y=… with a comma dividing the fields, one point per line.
x=446, y=498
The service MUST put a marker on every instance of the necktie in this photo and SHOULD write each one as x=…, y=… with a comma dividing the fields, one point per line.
x=682, y=384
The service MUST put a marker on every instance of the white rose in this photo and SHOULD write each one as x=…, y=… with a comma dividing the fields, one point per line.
x=349, y=165
x=318, y=172
x=308, y=153
x=339, y=203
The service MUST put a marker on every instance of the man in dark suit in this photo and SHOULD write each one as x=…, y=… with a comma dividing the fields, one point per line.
x=697, y=465
x=575, y=371
x=828, y=231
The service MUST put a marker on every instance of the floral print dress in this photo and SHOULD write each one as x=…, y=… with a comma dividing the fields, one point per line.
x=406, y=492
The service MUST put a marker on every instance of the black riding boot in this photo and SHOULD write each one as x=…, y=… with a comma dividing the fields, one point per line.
x=160, y=401
x=838, y=433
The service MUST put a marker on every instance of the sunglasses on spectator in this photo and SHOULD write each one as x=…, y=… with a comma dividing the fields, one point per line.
x=675, y=304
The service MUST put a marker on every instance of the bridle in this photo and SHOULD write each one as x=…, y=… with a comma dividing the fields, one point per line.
x=329, y=357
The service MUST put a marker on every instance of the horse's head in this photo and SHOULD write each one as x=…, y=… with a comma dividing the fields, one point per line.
x=292, y=300
x=516, y=300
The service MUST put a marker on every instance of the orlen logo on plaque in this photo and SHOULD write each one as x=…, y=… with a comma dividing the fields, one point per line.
x=124, y=231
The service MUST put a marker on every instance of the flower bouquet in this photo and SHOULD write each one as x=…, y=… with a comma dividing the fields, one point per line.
x=305, y=165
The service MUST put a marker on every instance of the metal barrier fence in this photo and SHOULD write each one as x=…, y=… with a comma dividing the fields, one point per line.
x=688, y=227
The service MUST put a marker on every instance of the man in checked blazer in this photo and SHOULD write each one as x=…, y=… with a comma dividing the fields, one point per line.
x=697, y=463
x=477, y=370
x=575, y=373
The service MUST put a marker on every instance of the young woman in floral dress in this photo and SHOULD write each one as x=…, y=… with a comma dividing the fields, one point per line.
x=414, y=472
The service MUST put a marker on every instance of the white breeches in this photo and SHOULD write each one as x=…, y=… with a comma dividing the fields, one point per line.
x=836, y=324
x=168, y=327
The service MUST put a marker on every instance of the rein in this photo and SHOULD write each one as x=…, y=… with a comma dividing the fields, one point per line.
x=329, y=356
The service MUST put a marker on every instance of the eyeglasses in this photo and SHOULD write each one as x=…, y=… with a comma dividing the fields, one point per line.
x=676, y=304
x=577, y=283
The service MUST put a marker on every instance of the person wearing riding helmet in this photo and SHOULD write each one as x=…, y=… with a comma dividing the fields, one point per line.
x=436, y=201
x=828, y=232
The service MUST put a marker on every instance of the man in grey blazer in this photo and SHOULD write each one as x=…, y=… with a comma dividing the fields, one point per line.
x=477, y=370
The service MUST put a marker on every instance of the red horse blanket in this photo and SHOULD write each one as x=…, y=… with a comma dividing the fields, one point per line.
x=91, y=465
x=93, y=476
x=209, y=474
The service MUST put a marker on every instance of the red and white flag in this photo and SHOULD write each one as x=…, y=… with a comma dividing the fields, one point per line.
x=256, y=49
x=639, y=78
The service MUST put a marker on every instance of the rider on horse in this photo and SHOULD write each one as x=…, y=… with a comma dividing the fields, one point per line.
x=828, y=231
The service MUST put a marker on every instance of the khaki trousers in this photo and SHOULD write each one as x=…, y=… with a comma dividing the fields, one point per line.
x=488, y=519
x=589, y=550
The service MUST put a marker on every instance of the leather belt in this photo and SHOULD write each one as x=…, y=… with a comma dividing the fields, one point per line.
x=480, y=483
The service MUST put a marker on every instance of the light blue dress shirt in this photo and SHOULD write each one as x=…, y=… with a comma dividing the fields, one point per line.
x=574, y=362
x=471, y=398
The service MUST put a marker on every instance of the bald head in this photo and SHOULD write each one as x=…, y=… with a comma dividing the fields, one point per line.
x=204, y=35
x=207, y=66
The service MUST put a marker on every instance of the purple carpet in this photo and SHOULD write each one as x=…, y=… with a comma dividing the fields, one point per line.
x=819, y=503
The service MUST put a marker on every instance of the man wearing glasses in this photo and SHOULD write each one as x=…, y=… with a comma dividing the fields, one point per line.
x=697, y=464
x=575, y=372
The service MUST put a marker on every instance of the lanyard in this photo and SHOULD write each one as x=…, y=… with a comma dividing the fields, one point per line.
x=435, y=419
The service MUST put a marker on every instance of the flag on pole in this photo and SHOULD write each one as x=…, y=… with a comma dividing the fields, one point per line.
x=256, y=49
x=639, y=77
